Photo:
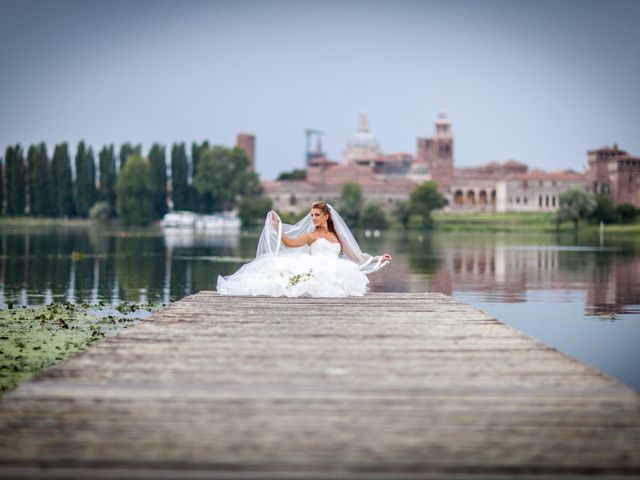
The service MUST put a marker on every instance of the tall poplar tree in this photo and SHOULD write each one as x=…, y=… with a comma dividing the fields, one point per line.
x=1, y=186
x=107, y=192
x=85, y=187
x=15, y=174
x=135, y=192
x=127, y=150
x=158, y=169
x=179, y=173
x=198, y=203
x=196, y=155
x=40, y=193
x=62, y=182
x=32, y=155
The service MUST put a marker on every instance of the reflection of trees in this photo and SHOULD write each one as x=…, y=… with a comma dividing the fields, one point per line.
x=576, y=261
x=14, y=261
x=179, y=279
x=100, y=240
x=140, y=264
x=505, y=266
x=424, y=254
x=226, y=268
x=107, y=272
x=83, y=270
x=248, y=246
x=40, y=260
x=202, y=276
x=574, y=239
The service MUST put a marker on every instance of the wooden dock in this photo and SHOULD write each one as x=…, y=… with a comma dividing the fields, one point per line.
x=396, y=386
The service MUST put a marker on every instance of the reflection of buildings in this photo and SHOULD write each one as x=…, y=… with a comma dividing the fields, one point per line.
x=494, y=187
x=80, y=266
x=497, y=268
x=509, y=273
x=613, y=287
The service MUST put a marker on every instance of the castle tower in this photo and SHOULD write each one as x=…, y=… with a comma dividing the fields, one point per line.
x=247, y=142
x=624, y=173
x=437, y=152
x=598, y=174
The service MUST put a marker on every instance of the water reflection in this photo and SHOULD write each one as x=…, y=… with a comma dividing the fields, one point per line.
x=91, y=265
x=508, y=268
x=576, y=293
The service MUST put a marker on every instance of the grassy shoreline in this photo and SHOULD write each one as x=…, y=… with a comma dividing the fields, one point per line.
x=519, y=222
x=43, y=222
x=447, y=222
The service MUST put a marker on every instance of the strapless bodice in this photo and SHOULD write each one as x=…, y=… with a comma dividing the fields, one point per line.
x=322, y=246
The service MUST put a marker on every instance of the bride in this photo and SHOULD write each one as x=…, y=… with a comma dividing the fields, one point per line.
x=316, y=257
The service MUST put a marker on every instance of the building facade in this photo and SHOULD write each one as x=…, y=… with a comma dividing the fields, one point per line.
x=493, y=187
x=436, y=154
x=615, y=173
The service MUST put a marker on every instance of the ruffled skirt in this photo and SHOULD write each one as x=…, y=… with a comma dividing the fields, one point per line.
x=296, y=275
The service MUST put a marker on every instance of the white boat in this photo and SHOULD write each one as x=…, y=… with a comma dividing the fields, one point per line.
x=179, y=220
x=219, y=223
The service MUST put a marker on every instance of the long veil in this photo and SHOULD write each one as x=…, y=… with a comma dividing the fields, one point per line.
x=271, y=240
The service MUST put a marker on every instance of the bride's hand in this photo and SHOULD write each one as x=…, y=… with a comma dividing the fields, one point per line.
x=386, y=257
x=274, y=219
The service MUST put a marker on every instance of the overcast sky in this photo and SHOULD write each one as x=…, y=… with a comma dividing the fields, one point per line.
x=537, y=81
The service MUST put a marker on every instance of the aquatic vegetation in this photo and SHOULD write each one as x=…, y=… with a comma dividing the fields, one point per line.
x=33, y=338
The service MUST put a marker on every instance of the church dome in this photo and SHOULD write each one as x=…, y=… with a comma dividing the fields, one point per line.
x=363, y=138
x=362, y=145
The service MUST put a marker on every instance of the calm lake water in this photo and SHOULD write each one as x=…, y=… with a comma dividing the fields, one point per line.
x=580, y=294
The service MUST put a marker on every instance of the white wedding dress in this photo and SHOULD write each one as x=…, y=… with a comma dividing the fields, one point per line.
x=322, y=269
x=319, y=273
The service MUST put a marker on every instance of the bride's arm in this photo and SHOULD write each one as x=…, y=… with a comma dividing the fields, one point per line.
x=295, y=242
x=290, y=242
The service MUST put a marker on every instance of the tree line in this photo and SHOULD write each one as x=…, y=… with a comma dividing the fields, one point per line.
x=358, y=213
x=423, y=199
x=578, y=205
x=130, y=186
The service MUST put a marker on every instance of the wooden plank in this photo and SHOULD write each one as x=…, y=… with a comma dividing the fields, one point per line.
x=385, y=386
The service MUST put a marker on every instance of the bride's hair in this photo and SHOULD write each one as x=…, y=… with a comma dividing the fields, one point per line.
x=324, y=208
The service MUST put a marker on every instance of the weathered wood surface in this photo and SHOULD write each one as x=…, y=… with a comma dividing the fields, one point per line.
x=386, y=386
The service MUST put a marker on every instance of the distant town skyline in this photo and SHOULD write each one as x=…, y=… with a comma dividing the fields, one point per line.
x=539, y=82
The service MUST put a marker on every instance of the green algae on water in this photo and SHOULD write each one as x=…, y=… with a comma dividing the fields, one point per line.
x=33, y=338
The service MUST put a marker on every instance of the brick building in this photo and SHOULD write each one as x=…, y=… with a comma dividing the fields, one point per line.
x=247, y=142
x=614, y=172
x=493, y=187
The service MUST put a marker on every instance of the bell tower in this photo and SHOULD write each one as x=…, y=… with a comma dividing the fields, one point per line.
x=437, y=152
x=247, y=142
